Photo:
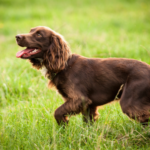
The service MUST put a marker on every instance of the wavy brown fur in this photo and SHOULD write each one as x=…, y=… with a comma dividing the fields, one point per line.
x=86, y=83
x=56, y=57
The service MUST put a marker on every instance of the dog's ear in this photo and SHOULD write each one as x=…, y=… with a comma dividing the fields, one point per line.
x=55, y=58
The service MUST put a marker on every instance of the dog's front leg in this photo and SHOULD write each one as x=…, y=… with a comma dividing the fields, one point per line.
x=61, y=114
x=70, y=107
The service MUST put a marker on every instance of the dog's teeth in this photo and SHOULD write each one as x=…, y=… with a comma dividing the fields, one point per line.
x=34, y=51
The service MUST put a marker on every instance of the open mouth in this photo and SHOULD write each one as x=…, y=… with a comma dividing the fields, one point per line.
x=28, y=52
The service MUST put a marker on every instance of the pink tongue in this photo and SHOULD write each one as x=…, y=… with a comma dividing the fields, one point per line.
x=25, y=52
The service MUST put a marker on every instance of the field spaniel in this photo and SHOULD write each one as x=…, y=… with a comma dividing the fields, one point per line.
x=86, y=83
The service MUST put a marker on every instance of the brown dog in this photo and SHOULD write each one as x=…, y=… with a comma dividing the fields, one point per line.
x=86, y=83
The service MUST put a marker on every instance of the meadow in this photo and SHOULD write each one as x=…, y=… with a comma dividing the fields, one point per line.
x=102, y=29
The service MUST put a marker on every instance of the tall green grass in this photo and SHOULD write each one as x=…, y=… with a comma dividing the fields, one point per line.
x=116, y=28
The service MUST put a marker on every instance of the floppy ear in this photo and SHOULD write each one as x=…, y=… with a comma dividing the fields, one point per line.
x=55, y=58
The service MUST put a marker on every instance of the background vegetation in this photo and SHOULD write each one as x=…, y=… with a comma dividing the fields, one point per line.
x=116, y=28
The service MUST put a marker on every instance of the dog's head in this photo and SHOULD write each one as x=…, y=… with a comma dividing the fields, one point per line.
x=46, y=45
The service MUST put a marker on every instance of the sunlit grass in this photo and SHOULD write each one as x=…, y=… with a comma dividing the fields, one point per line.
x=116, y=28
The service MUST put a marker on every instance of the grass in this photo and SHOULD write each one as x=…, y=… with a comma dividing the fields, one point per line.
x=117, y=28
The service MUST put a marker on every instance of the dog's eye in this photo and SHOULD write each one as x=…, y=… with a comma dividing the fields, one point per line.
x=38, y=35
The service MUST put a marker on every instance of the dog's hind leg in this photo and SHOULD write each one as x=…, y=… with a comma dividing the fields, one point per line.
x=135, y=101
x=91, y=114
x=135, y=113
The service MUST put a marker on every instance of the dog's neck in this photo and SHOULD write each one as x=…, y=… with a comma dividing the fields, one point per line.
x=44, y=70
x=38, y=64
x=39, y=59
x=45, y=73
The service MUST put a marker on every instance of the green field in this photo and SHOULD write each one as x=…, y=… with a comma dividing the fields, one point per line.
x=116, y=28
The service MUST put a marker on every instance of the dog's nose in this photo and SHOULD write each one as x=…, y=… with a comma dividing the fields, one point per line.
x=18, y=37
